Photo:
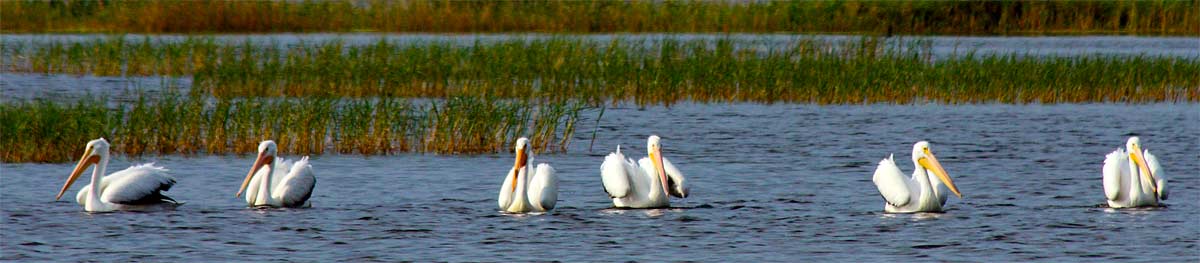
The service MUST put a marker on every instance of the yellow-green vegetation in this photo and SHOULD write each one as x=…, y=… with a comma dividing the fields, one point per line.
x=864, y=70
x=870, y=17
x=47, y=131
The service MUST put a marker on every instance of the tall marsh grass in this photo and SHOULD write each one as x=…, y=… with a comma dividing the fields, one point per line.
x=870, y=17
x=46, y=131
x=670, y=70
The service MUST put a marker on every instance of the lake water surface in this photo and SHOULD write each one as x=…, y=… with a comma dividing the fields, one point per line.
x=769, y=183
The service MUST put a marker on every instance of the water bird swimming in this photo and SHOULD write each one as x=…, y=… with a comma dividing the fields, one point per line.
x=523, y=191
x=918, y=193
x=282, y=184
x=1133, y=177
x=138, y=187
x=645, y=184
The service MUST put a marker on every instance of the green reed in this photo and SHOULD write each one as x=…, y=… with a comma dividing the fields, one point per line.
x=871, y=17
x=112, y=56
x=808, y=70
x=45, y=131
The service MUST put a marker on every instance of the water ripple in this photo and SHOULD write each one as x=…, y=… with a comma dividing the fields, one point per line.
x=769, y=183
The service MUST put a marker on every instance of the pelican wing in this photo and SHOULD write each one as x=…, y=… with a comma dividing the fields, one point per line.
x=892, y=183
x=283, y=167
x=136, y=185
x=1116, y=174
x=676, y=183
x=615, y=172
x=295, y=188
x=104, y=182
x=1160, y=179
x=543, y=188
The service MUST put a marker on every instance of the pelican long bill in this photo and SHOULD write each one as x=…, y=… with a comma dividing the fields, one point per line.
x=87, y=160
x=1140, y=160
x=258, y=164
x=656, y=157
x=521, y=161
x=931, y=163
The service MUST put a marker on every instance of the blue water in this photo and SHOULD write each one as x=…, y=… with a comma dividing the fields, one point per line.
x=769, y=183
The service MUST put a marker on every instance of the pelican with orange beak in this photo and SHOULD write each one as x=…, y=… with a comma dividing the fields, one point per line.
x=137, y=188
x=282, y=184
x=1133, y=177
x=645, y=184
x=525, y=191
x=918, y=193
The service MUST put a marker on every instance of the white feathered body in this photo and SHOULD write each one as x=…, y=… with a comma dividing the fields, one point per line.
x=1125, y=187
x=537, y=192
x=637, y=185
x=138, y=187
x=921, y=192
x=291, y=184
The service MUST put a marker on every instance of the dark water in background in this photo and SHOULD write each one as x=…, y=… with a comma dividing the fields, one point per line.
x=16, y=87
x=769, y=183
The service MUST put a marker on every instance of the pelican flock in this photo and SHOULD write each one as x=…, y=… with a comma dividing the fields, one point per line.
x=1133, y=177
x=525, y=191
x=645, y=184
x=282, y=184
x=138, y=187
x=916, y=193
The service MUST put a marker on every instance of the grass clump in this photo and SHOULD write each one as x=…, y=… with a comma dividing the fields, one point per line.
x=665, y=71
x=46, y=131
x=870, y=17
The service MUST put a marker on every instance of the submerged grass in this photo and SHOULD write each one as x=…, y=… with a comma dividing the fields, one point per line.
x=879, y=17
x=660, y=71
x=46, y=131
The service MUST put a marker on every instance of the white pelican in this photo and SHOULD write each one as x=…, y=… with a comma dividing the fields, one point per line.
x=523, y=192
x=288, y=186
x=919, y=193
x=645, y=184
x=138, y=187
x=1133, y=185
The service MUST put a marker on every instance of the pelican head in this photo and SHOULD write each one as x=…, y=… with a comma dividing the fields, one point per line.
x=522, y=144
x=654, y=149
x=1134, y=146
x=924, y=158
x=521, y=150
x=266, y=156
x=95, y=151
x=1133, y=142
